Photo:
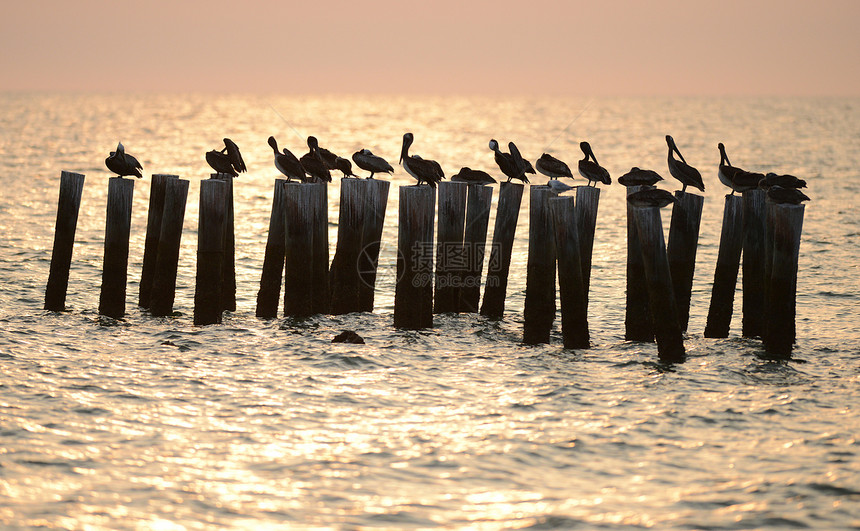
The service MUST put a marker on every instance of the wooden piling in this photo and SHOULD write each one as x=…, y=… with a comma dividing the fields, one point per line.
x=344, y=275
x=780, y=329
x=167, y=259
x=539, y=310
x=153, y=232
x=450, y=263
x=667, y=330
x=320, y=258
x=587, y=200
x=638, y=323
x=306, y=274
x=574, y=314
x=726, y=273
x=210, y=252
x=117, y=232
x=753, y=263
x=376, y=197
x=478, y=203
x=68, y=206
x=413, y=295
x=228, y=268
x=273, y=261
x=681, y=248
x=507, y=213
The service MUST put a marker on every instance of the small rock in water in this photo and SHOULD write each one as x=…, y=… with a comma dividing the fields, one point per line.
x=348, y=336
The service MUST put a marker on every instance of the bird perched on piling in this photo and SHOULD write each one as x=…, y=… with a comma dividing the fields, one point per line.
x=121, y=163
x=786, y=181
x=786, y=196
x=344, y=166
x=524, y=165
x=639, y=177
x=468, y=175
x=313, y=166
x=557, y=186
x=735, y=178
x=509, y=165
x=367, y=161
x=591, y=169
x=651, y=197
x=325, y=156
x=679, y=169
x=287, y=163
x=427, y=171
x=552, y=167
x=228, y=160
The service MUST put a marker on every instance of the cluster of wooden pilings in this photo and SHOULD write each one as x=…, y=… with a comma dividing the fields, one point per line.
x=445, y=274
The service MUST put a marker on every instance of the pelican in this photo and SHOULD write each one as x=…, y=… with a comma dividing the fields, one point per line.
x=121, y=163
x=786, y=196
x=786, y=181
x=591, y=169
x=232, y=151
x=220, y=162
x=428, y=171
x=468, y=175
x=552, y=167
x=325, y=156
x=524, y=165
x=507, y=163
x=367, y=161
x=650, y=197
x=735, y=178
x=345, y=167
x=682, y=171
x=558, y=187
x=287, y=163
x=638, y=177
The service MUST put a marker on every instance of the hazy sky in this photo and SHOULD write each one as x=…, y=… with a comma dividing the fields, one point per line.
x=598, y=47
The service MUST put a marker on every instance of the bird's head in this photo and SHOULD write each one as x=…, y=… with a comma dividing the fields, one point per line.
x=494, y=145
x=273, y=143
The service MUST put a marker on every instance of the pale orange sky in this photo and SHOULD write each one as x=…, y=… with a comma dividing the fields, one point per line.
x=662, y=47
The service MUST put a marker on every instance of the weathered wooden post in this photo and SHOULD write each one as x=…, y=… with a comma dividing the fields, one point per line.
x=153, y=232
x=413, y=294
x=302, y=283
x=210, y=252
x=780, y=329
x=167, y=259
x=507, y=213
x=574, y=313
x=117, y=233
x=319, y=259
x=667, y=330
x=682, y=245
x=68, y=206
x=273, y=261
x=587, y=200
x=371, y=239
x=539, y=309
x=638, y=323
x=450, y=263
x=478, y=203
x=726, y=273
x=753, y=263
x=344, y=275
x=228, y=269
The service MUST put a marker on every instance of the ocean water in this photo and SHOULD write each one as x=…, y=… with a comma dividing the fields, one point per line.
x=153, y=423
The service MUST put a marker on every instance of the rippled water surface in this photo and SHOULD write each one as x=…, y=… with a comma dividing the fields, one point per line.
x=153, y=423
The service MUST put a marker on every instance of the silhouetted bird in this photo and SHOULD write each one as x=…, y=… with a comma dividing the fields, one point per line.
x=786, y=196
x=287, y=163
x=786, y=181
x=313, y=163
x=735, y=178
x=468, y=175
x=591, y=169
x=552, y=167
x=325, y=156
x=220, y=162
x=344, y=166
x=510, y=167
x=232, y=151
x=639, y=177
x=428, y=171
x=651, y=197
x=367, y=161
x=524, y=165
x=558, y=186
x=121, y=163
x=682, y=171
